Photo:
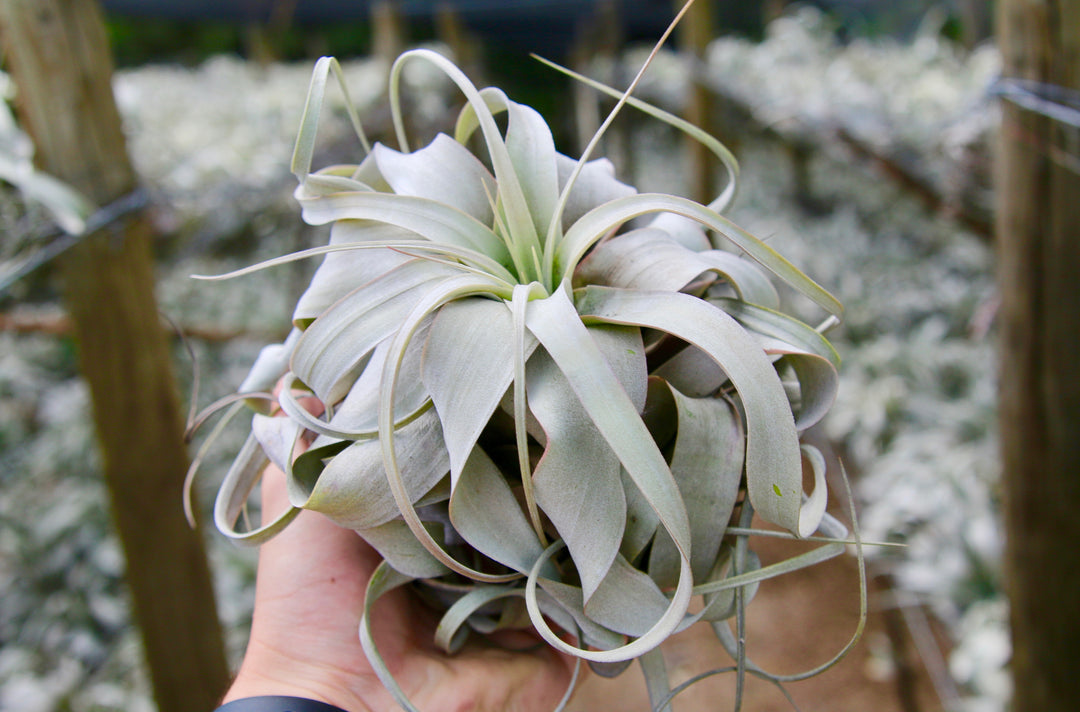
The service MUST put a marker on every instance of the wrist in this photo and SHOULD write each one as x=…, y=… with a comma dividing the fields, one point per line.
x=260, y=676
x=248, y=685
x=277, y=703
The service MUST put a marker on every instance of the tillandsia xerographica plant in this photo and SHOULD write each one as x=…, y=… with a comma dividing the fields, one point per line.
x=547, y=400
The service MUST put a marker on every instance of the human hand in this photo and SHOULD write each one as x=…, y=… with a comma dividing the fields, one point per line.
x=309, y=596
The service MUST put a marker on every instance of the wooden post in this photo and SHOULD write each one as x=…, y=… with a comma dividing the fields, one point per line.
x=771, y=10
x=388, y=29
x=694, y=34
x=1038, y=230
x=58, y=54
x=466, y=48
x=600, y=36
x=975, y=21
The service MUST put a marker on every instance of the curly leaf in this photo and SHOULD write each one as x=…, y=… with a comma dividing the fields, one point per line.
x=600, y=221
x=352, y=488
x=773, y=468
x=812, y=357
x=383, y=580
x=649, y=258
x=665, y=626
x=309, y=122
x=721, y=151
x=233, y=494
x=521, y=239
x=707, y=463
x=332, y=349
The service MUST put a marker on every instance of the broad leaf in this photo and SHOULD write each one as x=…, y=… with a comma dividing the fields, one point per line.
x=707, y=463
x=773, y=468
x=468, y=366
x=485, y=513
x=352, y=488
x=444, y=171
x=577, y=481
x=557, y=325
x=447, y=291
x=270, y=365
x=531, y=149
x=343, y=271
x=649, y=258
x=627, y=601
x=331, y=350
x=399, y=549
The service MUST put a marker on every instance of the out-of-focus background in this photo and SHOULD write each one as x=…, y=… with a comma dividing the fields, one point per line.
x=864, y=131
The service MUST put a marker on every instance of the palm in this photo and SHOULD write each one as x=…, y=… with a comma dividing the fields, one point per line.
x=310, y=594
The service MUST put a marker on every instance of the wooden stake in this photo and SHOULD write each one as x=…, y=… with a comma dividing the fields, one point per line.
x=1038, y=225
x=466, y=49
x=388, y=29
x=58, y=54
x=694, y=35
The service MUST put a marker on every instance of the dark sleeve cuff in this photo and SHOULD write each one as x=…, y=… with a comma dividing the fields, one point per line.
x=277, y=703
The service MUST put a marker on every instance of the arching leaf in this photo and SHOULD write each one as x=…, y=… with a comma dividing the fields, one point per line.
x=443, y=171
x=352, y=489
x=331, y=351
x=486, y=514
x=707, y=464
x=812, y=357
x=468, y=366
x=773, y=467
x=577, y=481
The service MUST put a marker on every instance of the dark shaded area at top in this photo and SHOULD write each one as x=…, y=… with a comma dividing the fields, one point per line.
x=530, y=25
x=547, y=27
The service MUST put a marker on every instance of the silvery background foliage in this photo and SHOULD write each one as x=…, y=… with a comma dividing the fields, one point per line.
x=915, y=419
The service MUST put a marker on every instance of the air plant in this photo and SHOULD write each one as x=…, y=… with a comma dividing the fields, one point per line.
x=546, y=399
